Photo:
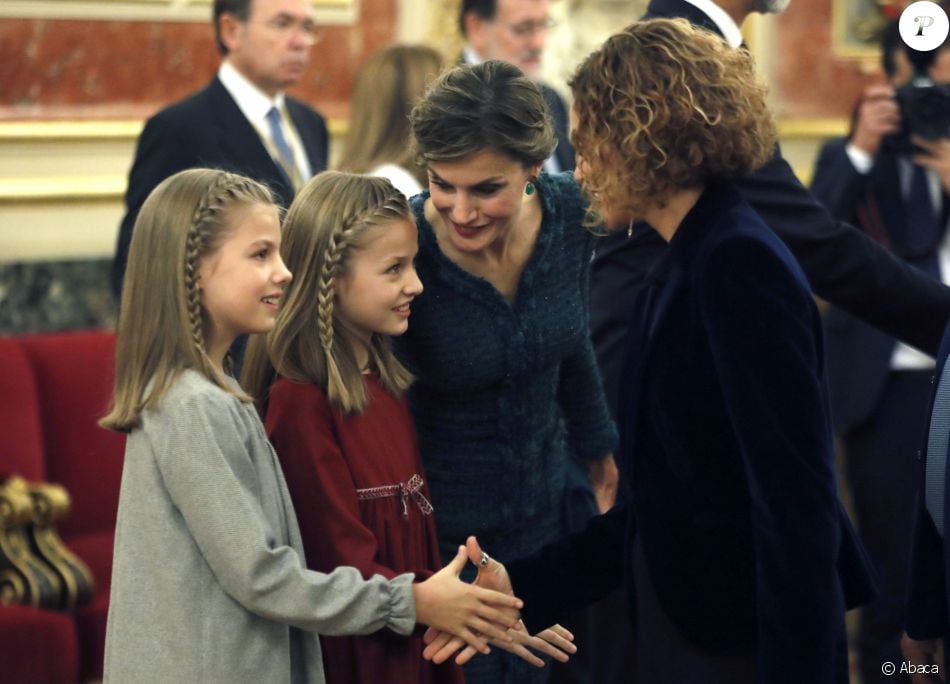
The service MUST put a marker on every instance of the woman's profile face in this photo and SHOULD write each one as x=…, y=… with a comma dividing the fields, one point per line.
x=479, y=197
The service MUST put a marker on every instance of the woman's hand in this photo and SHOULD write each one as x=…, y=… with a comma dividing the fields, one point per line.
x=554, y=641
x=604, y=476
x=471, y=613
x=926, y=654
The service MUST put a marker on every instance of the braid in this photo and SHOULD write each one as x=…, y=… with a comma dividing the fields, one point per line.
x=196, y=243
x=332, y=266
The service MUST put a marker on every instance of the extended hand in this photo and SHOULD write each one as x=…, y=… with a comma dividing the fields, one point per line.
x=927, y=652
x=471, y=613
x=878, y=115
x=554, y=641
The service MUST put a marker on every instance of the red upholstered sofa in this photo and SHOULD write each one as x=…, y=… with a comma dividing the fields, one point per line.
x=53, y=389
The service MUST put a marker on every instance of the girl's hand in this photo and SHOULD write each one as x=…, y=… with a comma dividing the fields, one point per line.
x=469, y=612
x=554, y=641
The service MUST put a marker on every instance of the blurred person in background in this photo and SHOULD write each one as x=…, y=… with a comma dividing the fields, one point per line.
x=241, y=121
x=387, y=87
x=894, y=192
x=515, y=31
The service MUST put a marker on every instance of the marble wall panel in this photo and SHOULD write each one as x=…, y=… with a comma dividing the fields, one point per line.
x=809, y=78
x=74, y=70
x=65, y=68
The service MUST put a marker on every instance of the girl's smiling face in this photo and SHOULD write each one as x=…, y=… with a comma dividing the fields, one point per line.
x=241, y=282
x=374, y=293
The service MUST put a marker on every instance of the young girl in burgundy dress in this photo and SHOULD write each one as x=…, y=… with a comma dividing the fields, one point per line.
x=208, y=581
x=336, y=413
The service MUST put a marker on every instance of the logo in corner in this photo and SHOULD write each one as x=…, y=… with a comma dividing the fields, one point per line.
x=924, y=26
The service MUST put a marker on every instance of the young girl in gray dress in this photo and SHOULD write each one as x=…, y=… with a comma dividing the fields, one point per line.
x=209, y=582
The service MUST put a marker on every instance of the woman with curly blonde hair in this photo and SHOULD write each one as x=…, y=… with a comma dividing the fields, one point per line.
x=740, y=555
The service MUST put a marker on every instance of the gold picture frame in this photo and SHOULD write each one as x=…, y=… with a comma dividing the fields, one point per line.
x=856, y=26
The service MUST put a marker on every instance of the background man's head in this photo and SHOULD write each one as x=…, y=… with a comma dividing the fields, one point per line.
x=268, y=41
x=901, y=63
x=513, y=31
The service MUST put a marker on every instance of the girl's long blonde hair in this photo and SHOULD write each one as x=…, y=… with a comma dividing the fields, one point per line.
x=388, y=85
x=161, y=329
x=333, y=215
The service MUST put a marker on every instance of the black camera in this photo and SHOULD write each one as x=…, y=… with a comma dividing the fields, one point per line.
x=925, y=111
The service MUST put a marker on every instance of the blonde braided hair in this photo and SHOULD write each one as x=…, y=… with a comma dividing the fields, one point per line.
x=332, y=215
x=196, y=244
x=161, y=322
x=333, y=266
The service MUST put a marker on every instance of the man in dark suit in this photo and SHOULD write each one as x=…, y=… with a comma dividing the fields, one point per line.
x=880, y=387
x=514, y=31
x=927, y=634
x=241, y=121
x=843, y=265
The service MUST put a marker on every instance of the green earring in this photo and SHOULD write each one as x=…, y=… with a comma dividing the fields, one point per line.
x=529, y=189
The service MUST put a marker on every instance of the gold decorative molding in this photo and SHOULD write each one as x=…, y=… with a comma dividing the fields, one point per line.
x=68, y=131
x=328, y=12
x=80, y=131
x=444, y=32
x=85, y=139
x=805, y=129
x=63, y=189
x=854, y=26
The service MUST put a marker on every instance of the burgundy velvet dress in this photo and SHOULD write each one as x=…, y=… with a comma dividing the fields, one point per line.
x=361, y=499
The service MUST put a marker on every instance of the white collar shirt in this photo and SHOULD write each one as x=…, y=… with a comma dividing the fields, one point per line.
x=727, y=27
x=254, y=104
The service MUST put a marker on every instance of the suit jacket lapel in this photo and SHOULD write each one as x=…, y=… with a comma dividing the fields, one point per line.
x=680, y=9
x=886, y=189
x=239, y=138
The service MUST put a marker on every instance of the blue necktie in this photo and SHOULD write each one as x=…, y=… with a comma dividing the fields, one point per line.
x=921, y=222
x=280, y=142
x=936, y=471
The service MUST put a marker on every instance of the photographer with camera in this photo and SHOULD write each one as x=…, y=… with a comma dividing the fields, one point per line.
x=891, y=179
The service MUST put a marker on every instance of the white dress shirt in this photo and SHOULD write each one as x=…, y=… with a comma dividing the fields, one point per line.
x=254, y=104
x=906, y=357
x=727, y=27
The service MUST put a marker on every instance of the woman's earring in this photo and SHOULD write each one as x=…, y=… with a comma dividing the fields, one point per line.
x=529, y=188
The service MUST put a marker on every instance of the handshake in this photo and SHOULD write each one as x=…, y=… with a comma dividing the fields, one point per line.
x=467, y=617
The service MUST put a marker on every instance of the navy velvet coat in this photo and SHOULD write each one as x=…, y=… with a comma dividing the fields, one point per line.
x=726, y=445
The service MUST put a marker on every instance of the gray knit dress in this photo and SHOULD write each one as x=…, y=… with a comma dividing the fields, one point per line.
x=209, y=581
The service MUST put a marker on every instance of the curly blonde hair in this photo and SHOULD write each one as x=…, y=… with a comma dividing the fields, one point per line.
x=663, y=106
x=388, y=85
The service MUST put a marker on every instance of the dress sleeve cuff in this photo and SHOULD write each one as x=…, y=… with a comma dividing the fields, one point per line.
x=402, y=605
x=598, y=448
